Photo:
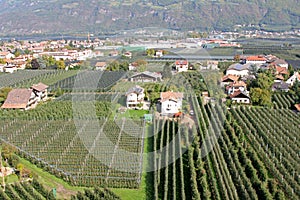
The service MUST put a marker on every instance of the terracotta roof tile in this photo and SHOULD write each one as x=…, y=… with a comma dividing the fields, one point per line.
x=39, y=87
x=17, y=98
x=181, y=62
x=170, y=95
x=231, y=77
x=297, y=106
x=100, y=64
x=237, y=93
x=256, y=58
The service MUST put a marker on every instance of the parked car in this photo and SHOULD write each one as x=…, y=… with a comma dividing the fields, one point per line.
x=191, y=112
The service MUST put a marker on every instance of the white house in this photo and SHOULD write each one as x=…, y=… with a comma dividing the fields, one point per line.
x=20, y=99
x=159, y=53
x=6, y=55
x=2, y=66
x=128, y=54
x=236, y=86
x=134, y=97
x=100, y=66
x=238, y=70
x=182, y=65
x=255, y=60
x=10, y=68
x=227, y=79
x=240, y=97
x=281, y=63
x=40, y=91
x=212, y=64
x=171, y=102
x=293, y=78
x=133, y=66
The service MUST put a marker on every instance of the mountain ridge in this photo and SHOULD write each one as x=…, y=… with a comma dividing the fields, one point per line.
x=97, y=16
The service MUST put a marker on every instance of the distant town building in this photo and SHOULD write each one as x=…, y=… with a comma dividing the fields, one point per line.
x=146, y=77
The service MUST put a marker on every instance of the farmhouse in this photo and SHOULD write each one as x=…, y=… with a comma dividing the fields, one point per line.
x=293, y=78
x=236, y=86
x=159, y=53
x=227, y=79
x=171, y=102
x=240, y=97
x=281, y=70
x=135, y=97
x=281, y=63
x=40, y=91
x=6, y=171
x=100, y=66
x=10, y=68
x=128, y=54
x=212, y=65
x=6, y=55
x=255, y=60
x=181, y=65
x=133, y=66
x=238, y=70
x=146, y=77
x=297, y=106
x=280, y=86
x=20, y=99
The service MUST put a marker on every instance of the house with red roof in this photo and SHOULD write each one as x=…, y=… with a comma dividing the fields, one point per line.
x=240, y=97
x=236, y=86
x=6, y=55
x=23, y=99
x=255, y=59
x=159, y=53
x=297, y=106
x=133, y=66
x=128, y=54
x=293, y=79
x=227, y=79
x=171, y=102
x=100, y=66
x=40, y=91
x=181, y=65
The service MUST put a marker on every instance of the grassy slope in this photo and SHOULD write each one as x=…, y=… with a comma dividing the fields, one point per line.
x=64, y=190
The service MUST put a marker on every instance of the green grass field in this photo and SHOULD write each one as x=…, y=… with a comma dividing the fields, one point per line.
x=64, y=190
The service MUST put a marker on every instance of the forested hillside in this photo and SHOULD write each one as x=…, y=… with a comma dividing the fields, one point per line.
x=98, y=16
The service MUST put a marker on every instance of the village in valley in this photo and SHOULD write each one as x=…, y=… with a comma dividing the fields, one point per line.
x=244, y=76
x=170, y=89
